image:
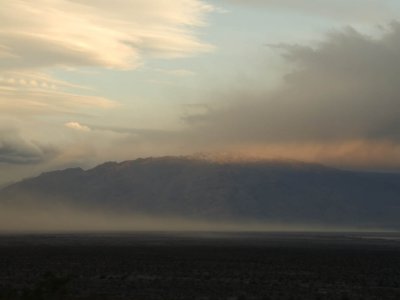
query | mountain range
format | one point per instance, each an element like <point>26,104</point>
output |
<point>266,191</point>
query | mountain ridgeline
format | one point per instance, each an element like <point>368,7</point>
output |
<point>262,191</point>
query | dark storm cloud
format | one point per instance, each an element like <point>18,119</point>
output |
<point>14,149</point>
<point>345,88</point>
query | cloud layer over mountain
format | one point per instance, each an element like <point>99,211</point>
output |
<point>342,91</point>
<point>337,102</point>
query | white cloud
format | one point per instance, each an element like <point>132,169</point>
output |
<point>31,92</point>
<point>77,126</point>
<point>112,34</point>
<point>38,37</point>
<point>34,79</point>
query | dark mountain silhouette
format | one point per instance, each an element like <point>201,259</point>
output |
<point>272,191</point>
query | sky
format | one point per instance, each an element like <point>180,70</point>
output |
<point>83,82</point>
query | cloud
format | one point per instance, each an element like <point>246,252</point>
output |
<point>39,38</point>
<point>37,93</point>
<point>352,154</point>
<point>116,34</point>
<point>35,79</point>
<point>344,88</point>
<point>338,105</point>
<point>341,92</point>
<point>77,126</point>
<point>14,149</point>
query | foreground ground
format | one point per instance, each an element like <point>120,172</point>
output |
<point>199,266</point>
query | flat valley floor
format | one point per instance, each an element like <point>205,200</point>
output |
<point>200,265</point>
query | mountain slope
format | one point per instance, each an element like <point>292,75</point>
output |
<point>272,191</point>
